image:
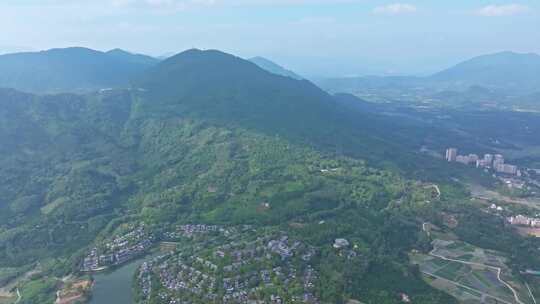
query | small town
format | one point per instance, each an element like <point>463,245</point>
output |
<point>489,161</point>
<point>119,250</point>
<point>524,224</point>
<point>272,267</point>
<point>520,180</point>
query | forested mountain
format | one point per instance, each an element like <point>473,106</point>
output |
<point>273,67</point>
<point>505,70</point>
<point>228,90</point>
<point>508,72</point>
<point>206,137</point>
<point>203,137</point>
<point>70,70</point>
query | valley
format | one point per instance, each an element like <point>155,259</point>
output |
<point>211,180</point>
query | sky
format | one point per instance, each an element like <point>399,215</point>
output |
<point>316,38</point>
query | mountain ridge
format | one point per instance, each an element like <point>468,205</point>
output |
<point>74,69</point>
<point>273,67</point>
<point>515,73</point>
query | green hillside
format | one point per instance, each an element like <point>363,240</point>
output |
<point>70,70</point>
<point>506,70</point>
<point>206,137</point>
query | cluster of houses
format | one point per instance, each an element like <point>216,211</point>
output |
<point>237,272</point>
<point>145,280</point>
<point>119,250</point>
<point>185,278</point>
<point>191,230</point>
<point>522,220</point>
<point>282,247</point>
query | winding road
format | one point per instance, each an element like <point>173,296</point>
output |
<point>530,292</point>
<point>19,297</point>
<point>498,269</point>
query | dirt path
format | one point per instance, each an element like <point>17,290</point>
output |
<point>530,292</point>
<point>484,295</point>
<point>19,297</point>
<point>498,269</point>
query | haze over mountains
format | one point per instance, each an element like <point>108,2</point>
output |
<point>81,69</point>
<point>508,71</point>
<point>272,67</point>
<point>208,137</point>
<point>70,69</point>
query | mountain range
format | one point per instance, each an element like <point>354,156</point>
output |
<point>506,71</point>
<point>82,70</point>
<point>70,70</point>
<point>208,137</point>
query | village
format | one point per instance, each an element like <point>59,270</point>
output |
<point>519,180</point>
<point>119,250</point>
<point>273,268</point>
<point>202,263</point>
<point>525,224</point>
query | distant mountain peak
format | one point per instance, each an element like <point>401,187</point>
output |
<point>273,67</point>
<point>119,51</point>
<point>507,70</point>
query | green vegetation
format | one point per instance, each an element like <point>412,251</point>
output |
<point>241,147</point>
<point>71,70</point>
<point>40,290</point>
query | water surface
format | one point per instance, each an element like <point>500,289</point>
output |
<point>116,286</point>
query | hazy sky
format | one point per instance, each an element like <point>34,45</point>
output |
<point>312,37</point>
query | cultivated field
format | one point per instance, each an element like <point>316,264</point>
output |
<point>471,274</point>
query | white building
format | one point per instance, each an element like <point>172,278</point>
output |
<point>451,154</point>
<point>341,243</point>
<point>463,159</point>
<point>473,158</point>
<point>506,168</point>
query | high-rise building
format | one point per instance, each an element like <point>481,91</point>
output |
<point>451,154</point>
<point>463,159</point>
<point>473,158</point>
<point>497,161</point>
<point>506,168</point>
<point>482,163</point>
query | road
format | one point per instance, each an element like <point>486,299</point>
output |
<point>484,295</point>
<point>19,297</point>
<point>530,292</point>
<point>498,269</point>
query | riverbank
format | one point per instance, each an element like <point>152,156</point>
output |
<point>115,286</point>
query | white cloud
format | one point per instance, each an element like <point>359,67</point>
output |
<point>161,5</point>
<point>190,3</point>
<point>395,9</point>
<point>502,10</point>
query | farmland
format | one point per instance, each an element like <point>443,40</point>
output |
<point>471,274</point>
